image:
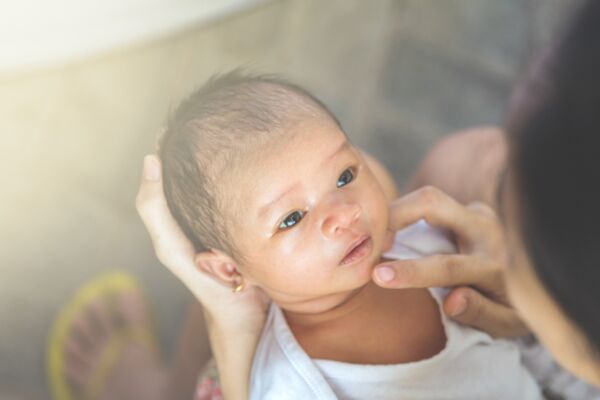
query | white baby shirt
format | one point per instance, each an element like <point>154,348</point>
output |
<point>471,366</point>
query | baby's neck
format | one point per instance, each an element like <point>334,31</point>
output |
<point>326,308</point>
<point>373,326</point>
<point>344,305</point>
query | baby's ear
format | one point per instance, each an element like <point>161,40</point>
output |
<point>218,265</point>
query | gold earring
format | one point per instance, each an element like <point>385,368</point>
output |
<point>239,286</point>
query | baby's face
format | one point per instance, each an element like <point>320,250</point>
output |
<point>310,218</point>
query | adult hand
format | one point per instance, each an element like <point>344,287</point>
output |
<point>244,311</point>
<point>478,297</point>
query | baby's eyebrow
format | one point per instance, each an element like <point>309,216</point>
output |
<point>345,145</point>
<point>263,209</point>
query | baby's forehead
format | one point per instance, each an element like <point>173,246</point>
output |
<point>291,161</point>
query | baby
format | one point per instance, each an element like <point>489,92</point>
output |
<point>267,186</point>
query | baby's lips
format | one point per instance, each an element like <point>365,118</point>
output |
<point>362,239</point>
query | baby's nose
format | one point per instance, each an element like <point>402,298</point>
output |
<point>340,217</point>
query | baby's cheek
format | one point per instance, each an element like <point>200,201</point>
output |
<point>388,240</point>
<point>294,280</point>
<point>378,208</point>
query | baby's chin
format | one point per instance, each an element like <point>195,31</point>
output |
<point>375,259</point>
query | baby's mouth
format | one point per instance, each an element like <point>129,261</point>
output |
<point>358,250</point>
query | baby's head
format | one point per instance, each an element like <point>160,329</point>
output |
<point>264,182</point>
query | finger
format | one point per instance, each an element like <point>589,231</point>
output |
<point>150,192</point>
<point>435,271</point>
<point>438,209</point>
<point>470,307</point>
<point>481,208</point>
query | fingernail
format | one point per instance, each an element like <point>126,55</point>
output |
<point>151,168</point>
<point>385,273</point>
<point>461,307</point>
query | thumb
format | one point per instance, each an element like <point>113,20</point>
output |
<point>151,203</point>
<point>171,245</point>
<point>470,307</point>
<point>151,190</point>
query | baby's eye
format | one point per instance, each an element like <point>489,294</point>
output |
<point>291,220</point>
<point>345,178</point>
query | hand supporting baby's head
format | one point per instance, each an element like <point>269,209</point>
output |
<point>264,182</point>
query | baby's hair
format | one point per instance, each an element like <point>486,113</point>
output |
<point>210,132</point>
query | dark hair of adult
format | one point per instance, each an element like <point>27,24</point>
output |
<point>555,138</point>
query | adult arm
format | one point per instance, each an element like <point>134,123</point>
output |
<point>465,165</point>
<point>234,320</point>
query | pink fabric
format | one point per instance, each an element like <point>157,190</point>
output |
<point>208,387</point>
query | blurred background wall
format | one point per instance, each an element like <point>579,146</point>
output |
<point>76,120</point>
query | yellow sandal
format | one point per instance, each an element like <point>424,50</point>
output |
<point>103,286</point>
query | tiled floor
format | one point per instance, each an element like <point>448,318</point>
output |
<point>399,74</point>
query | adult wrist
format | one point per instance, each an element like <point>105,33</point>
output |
<point>235,324</point>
